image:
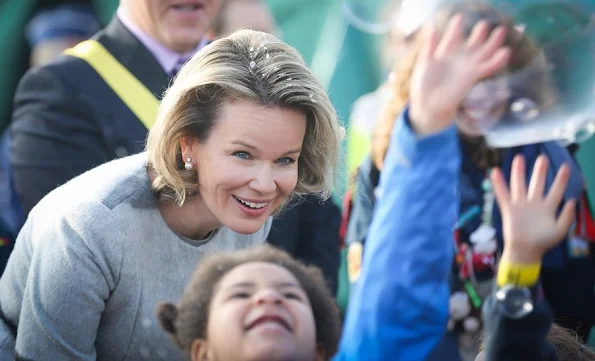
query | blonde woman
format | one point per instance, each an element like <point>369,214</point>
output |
<point>244,127</point>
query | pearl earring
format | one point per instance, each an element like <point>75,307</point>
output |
<point>188,165</point>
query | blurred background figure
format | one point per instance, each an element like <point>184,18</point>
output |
<point>67,118</point>
<point>238,14</point>
<point>566,31</point>
<point>59,28</point>
<point>366,110</point>
<point>49,33</point>
<point>309,229</point>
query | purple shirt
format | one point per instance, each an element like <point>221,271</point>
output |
<point>167,58</point>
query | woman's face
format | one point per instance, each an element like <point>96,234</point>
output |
<point>248,166</point>
<point>258,312</point>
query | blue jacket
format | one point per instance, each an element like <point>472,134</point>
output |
<point>471,193</point>
<point>399,306</point>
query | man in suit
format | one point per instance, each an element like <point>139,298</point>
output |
<point>52,30</point>
<point>250,14</point>
<point>67,120</point>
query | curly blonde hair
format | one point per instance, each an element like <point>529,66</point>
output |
<point>252,66</point>
<point>524,53</point>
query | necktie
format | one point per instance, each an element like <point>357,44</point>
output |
<point>177,68</point>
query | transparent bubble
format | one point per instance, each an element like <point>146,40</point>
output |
<point>547,91</point>
<point>553,97</point>
<point>586,131</point>
<point>382,16</point>
<point>524,109</point>
<point>371,16</point>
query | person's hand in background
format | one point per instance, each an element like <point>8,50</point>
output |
<point>531,225</point>
<point>447,69</point>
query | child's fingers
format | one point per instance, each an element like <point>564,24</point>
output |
<point>478,35</point>
<point>565,219</point>
<point>493,44</point>
<point>500,189</point>
<point>452,38</point>
<point>538,178</point>
<point>558,187</point>
<point>431,42</point>
<point>518,186</point>
<point>496,63</point>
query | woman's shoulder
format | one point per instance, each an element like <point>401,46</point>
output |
<point>88,204</point>
<point>109,184</point>
<point>83,215</point>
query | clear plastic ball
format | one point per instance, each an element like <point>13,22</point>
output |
<point>547,91</point>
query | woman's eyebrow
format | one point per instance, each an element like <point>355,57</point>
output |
<point>244,144</point>
<point>294,151</point>
<point>249,146</point>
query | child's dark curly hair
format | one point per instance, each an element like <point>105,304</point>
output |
<point>567,343</point>
<point>188,321</point>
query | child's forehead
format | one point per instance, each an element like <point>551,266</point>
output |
<point>258,274</point>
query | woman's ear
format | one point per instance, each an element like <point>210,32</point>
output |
<point>186,145</point>
<point>199,350</point>
<point>320,353</point>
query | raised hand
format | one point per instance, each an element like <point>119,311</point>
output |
<point>448,68</point>
<point>529,218</point>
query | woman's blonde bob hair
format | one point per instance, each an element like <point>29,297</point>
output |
<point>251,66</point>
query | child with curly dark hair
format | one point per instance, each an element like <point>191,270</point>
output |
<point>567,344</point>
<point>257,304</point>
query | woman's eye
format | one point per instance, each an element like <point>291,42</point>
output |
<point>286,161</point>
<point>242,155</point>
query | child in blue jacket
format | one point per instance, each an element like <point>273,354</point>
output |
<point>400,305</point>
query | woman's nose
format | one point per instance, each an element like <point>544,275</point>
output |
<point>264,180</point>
